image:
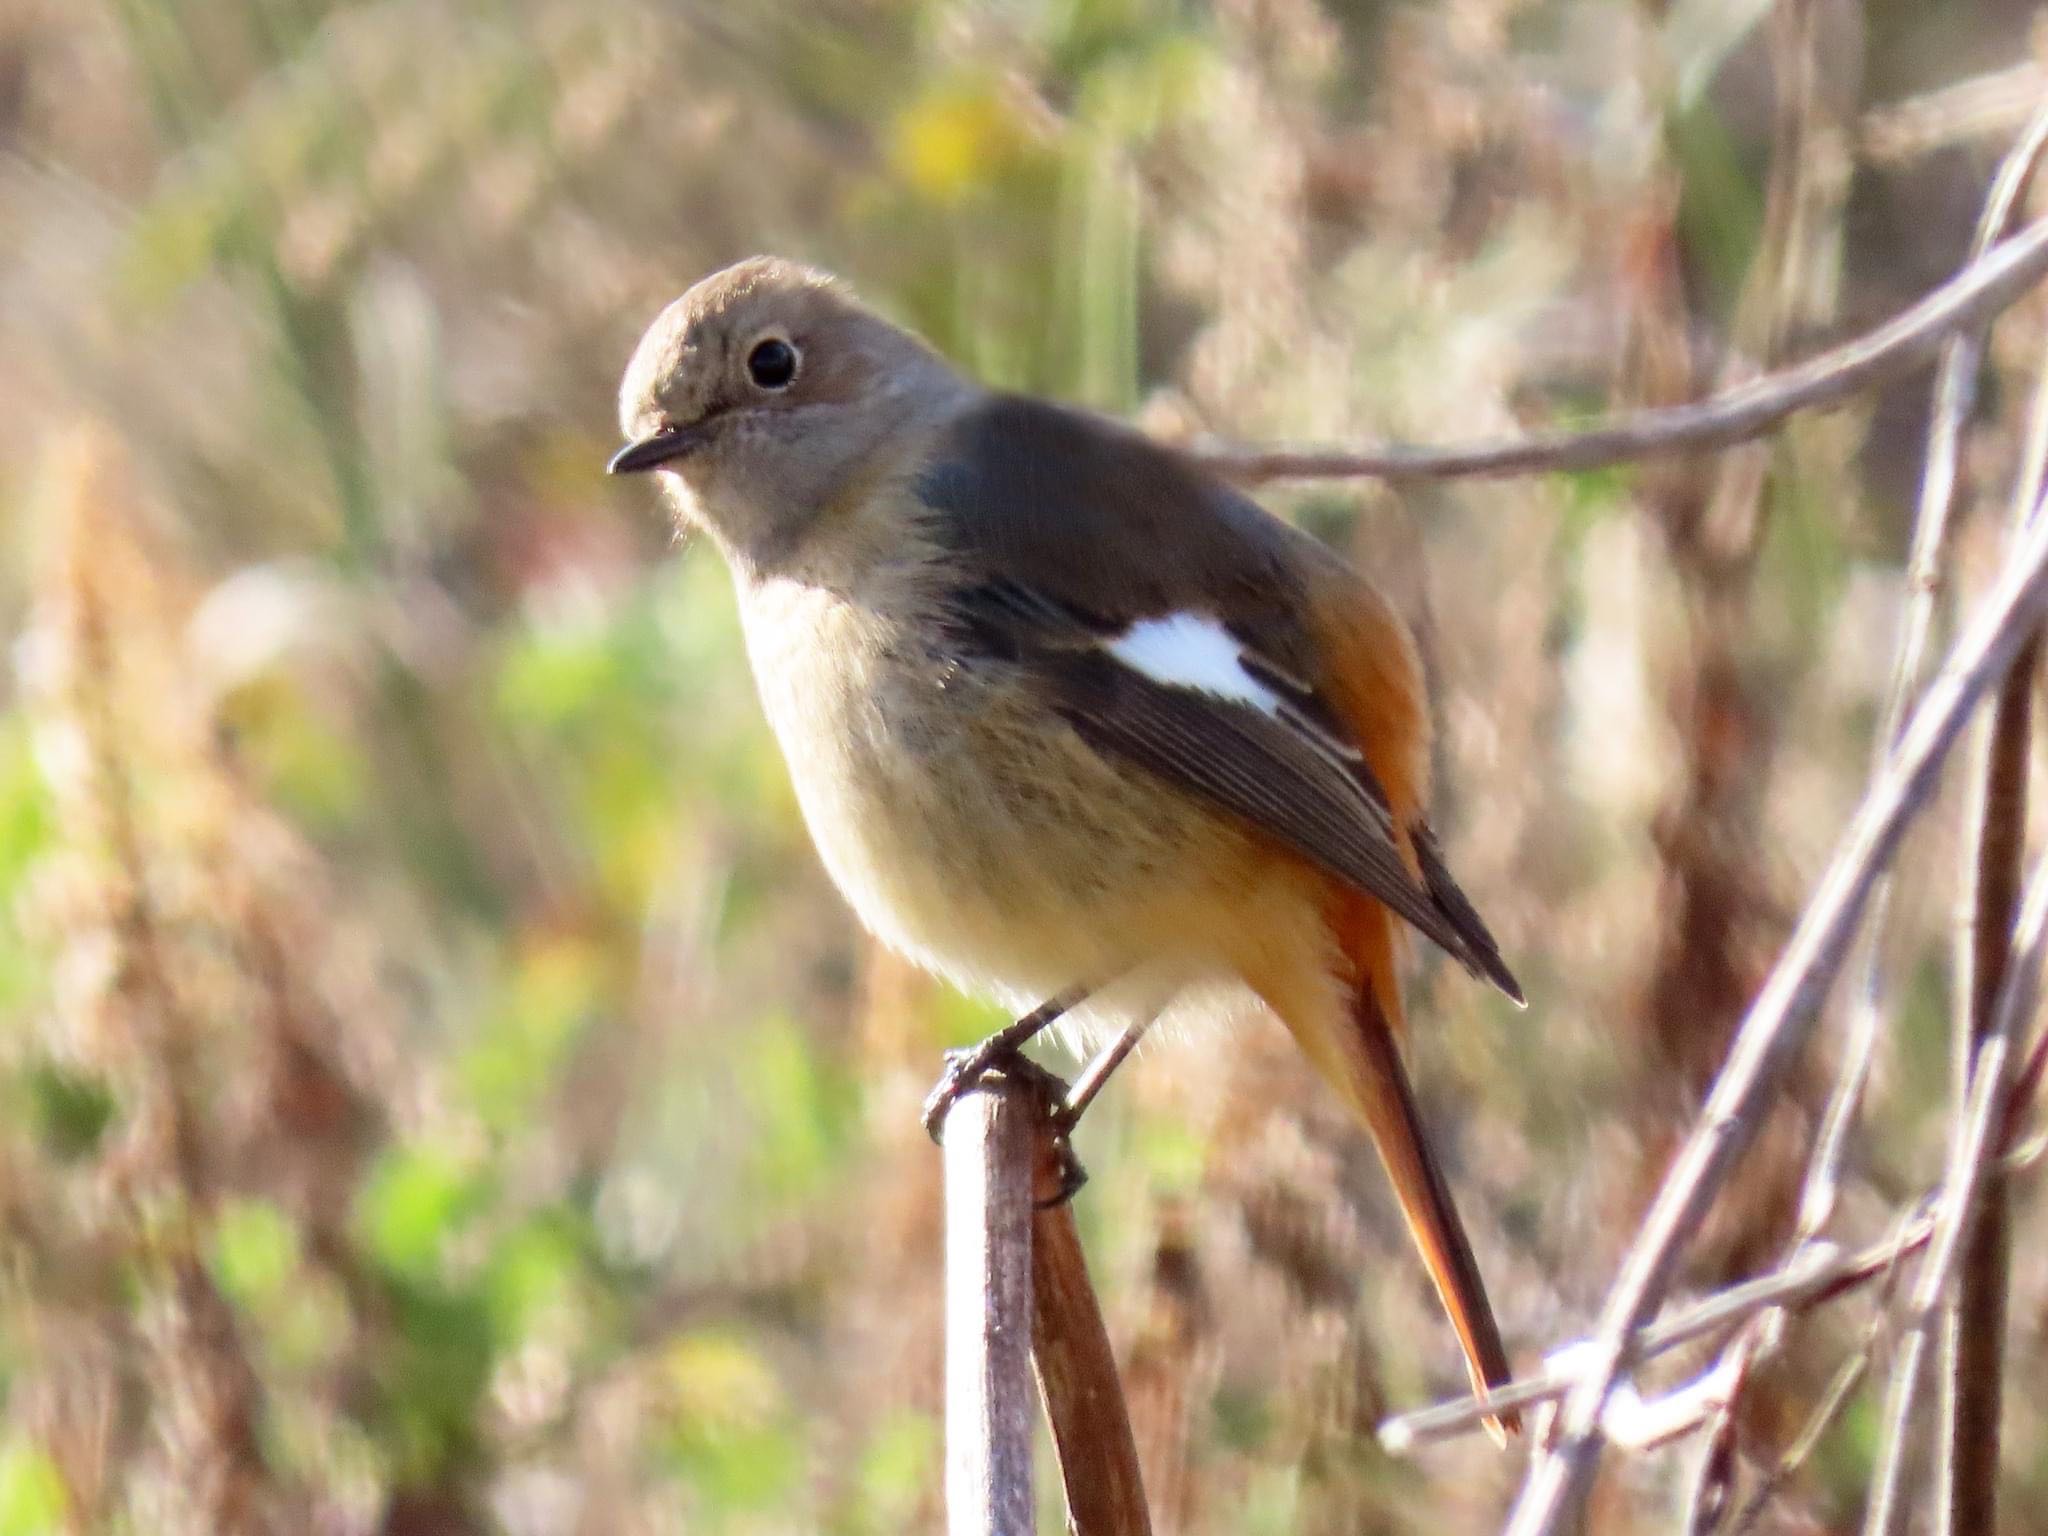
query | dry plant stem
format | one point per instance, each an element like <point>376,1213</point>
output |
<point>2033,477</point>
<point>1954,396</point>
<point>1975,1341</point>
<point>1820,1275</point>
<point>1987,1111</point>
<point>1983,106</point>
<point>1077,1375</point>
<point>1885,1513</point>
<point>1955,390</point>
<point>1816,1274</point>
<point>1973,295</point>
<point>990,1137</point>
<point>1845,1381</point>
<point>1778,1022</point>
<point>1801,198</point>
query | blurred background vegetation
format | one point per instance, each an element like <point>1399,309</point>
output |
<point>441,1092</point>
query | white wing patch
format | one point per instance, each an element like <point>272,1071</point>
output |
<point>1192,650</point>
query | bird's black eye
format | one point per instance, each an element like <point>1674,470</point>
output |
<point>772,363</point>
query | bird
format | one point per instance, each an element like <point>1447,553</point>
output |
<point>1072,721</point>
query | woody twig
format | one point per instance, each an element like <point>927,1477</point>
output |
<point>990,1154</point>
<point>1077,1373</point>
<point>1778,1023</point>
<point>1986,285</point>
<point>1019,1302</point>
<point>1810,1277</point>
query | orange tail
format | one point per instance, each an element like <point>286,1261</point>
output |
<point>1365,1065</point>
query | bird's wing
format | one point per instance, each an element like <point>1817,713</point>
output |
<point>1164,617</point>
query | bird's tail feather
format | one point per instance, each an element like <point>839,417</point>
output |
<point>1364,1064</point>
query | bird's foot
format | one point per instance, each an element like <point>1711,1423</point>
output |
<point>1002,1057</point>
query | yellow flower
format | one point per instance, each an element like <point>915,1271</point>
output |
<point>954,140</point>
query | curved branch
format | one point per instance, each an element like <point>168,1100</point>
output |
<point>1976,293</point>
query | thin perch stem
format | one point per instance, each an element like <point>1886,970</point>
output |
<point>1077,1374</point>
<point>964,1068</point>
<point>990,1138</point>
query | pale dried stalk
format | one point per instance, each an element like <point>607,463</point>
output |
<point>1974,1339</point>
<point>1981,289</point>
<point>990,1153</point>
<point>1778,1022</point>
<point>1819,1274</point>
<point>1019,1302</point>
<point>1972,1161</point>
<point>1955,390</point>
<point>1983,106</point>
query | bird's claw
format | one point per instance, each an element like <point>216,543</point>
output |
<point>1067,1168</point>
<point>967,1066</point>
<point>966,1069</point>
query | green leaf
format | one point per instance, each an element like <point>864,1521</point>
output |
<point>416,1200</point>
<point>69,1110</point>
<point>255,1251</point>
<point>1174,1155</point>
<point>307,766</point>
<point>535,1270</point>
<point>26,815</point>
<point>429,1386</point>
<point>27,823</point>
<point>32,1494</point>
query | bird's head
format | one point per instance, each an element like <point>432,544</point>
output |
<point>766,394</point>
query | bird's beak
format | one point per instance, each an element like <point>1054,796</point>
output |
<point>656,449</point>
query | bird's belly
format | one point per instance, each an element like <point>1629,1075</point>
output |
<point>971,830</point>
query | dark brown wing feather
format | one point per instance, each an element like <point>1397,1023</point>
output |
<point>1058,575</point>
<point>1459,912</point>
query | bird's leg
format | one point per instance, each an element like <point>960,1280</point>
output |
<point>1069,1104</point>
<point>1002,1050</point>
<point>1096,1073</point>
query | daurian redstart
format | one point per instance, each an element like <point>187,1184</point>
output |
<point>1063,710</point>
